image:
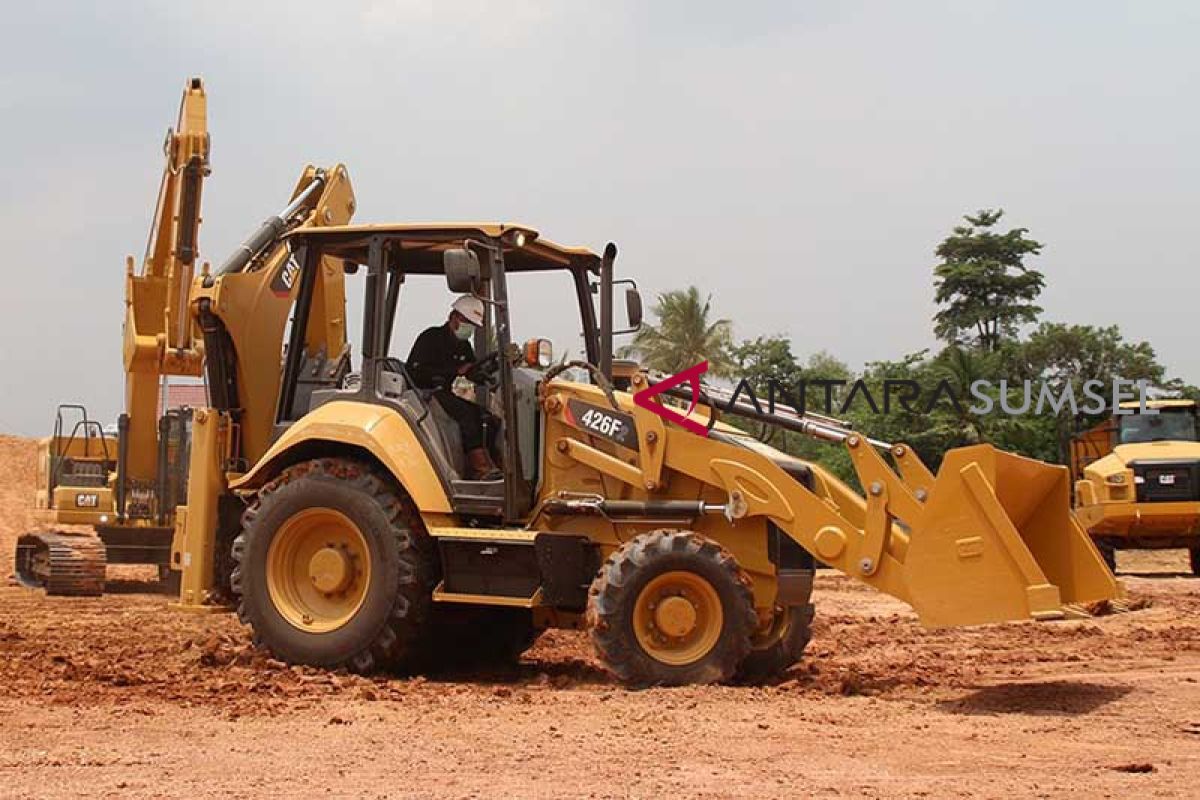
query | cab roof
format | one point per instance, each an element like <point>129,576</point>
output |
<point>1161,403</point>
<point>422,243</point>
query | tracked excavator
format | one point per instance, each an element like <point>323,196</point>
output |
<point>125,487</point>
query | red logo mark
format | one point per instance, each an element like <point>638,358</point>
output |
<point>691,376</point>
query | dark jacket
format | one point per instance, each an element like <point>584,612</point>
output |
<point>436,357</point>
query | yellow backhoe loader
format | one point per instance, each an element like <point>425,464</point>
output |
<point>331,507</point>
<point>327,499</point>
<point>126,486</point>
<point>1137,479</point>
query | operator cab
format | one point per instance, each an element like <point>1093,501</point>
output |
<point>476,260</point>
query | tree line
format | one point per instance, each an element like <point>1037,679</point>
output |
<point>989,326</point>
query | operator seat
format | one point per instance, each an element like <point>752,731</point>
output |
<point>435,426</point>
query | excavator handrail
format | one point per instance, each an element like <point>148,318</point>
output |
<point>87,425</point>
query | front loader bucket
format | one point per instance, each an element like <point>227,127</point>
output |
<point>997,541</point>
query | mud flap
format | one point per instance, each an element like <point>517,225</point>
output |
<point>997,541</point>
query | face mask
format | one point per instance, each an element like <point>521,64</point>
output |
<point>464,331</point>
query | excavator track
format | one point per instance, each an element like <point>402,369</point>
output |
<point>70,564</point>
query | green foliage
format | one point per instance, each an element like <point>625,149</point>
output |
<point>983,286</point>
<point>684,335</point>
<point>766,358</point>
<point>1061,355</point>
<point>986,294</point>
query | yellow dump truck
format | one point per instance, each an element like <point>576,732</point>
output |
<point>1137,479</point>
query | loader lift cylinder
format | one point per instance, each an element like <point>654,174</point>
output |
<point>823,428</point>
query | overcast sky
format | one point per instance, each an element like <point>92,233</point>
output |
<point>800,161</point>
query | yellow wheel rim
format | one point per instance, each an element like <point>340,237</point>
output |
<point>318,570</point>
<point>677,618</point>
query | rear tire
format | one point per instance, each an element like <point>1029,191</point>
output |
<point>1194,557</point>
<point>671,608</point>
<point>780,647</point>
<point>334,517</point>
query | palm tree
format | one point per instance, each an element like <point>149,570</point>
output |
<point>684,335</point>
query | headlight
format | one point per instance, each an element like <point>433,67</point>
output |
<point>1118,478</point>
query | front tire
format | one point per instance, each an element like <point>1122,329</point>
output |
<point>333,568</point>
<point>671,608</point>
<point>1194,557</point>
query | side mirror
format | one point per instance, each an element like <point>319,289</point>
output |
<point>633,308</point>
<point>462,270</point>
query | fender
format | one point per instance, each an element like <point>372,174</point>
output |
<point>379,430</point>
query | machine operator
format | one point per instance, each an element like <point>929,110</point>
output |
<point>441,354</point>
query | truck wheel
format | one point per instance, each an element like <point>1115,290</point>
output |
<point>334,569</point>
<point>1194,556</point>
<point>671,607</point>
<point>780,646</point>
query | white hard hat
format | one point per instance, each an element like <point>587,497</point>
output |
<point>471,308</point>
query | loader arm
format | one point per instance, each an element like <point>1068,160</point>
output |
<point>991,538</point>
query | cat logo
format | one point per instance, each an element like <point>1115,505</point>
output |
<point>87,500</point>
<point>282,285</point>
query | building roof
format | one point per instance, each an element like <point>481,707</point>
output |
<point>183,395</point>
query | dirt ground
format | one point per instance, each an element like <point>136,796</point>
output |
<point>119,696</point>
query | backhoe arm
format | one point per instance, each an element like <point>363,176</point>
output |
<point>158,337</point>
